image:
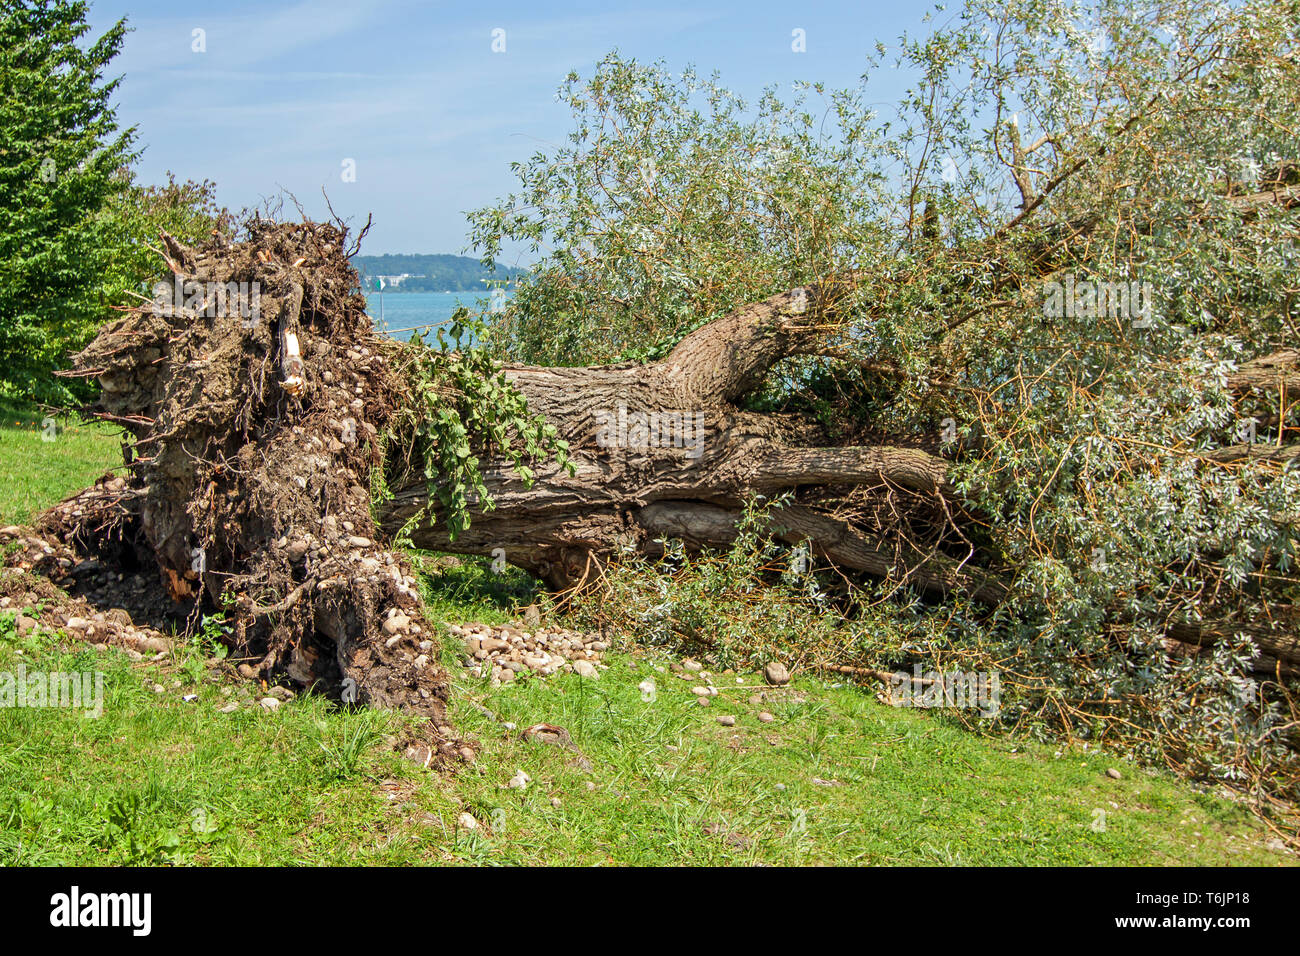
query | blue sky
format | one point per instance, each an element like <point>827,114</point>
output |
<point>413,92</point>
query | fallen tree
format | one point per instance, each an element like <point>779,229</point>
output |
<point>1054,439</point>
<point>257,431</point>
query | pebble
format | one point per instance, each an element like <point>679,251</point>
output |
<point>268,703</point>
<point>520,781</point>
<point>466,821</point>
<point>765,717</point>
<point>154,645</point>
<point>1113,773</point>
<point>726,720</point>
<point>776,673</point>
<point>586,669</point>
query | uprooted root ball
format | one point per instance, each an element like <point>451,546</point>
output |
<point>257,392</point>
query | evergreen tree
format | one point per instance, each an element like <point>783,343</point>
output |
<point>62,158</point>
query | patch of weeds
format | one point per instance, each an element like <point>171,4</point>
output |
<point>341,748</point>
<point>130,834</point>
<point>207,645</point>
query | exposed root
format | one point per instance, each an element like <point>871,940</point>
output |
<point>256,391</point>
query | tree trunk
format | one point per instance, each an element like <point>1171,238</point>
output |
<point>664,449</point>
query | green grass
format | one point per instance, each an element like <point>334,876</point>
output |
<point>836,778</point>
<point>37,473</point>
<point>159,779</point>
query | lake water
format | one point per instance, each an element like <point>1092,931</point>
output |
<point>403,311</point>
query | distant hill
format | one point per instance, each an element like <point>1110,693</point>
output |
<point>429,273</point>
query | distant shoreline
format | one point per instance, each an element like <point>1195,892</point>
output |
<point>437,273</point>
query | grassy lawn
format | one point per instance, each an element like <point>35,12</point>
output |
<point>38,472</point>
<point>836,778</point>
